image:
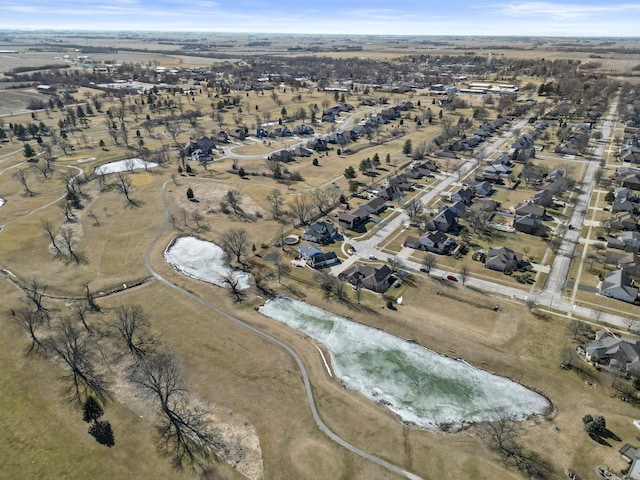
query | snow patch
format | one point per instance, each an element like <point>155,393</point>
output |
<point>202,260</point>
<point>123,166</point>
<point>2,202</point>
<point>418,384</point>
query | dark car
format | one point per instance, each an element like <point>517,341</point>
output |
<point>452,278</point>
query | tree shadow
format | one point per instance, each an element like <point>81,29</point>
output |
<point>103,433</point>
<point>609,434</point>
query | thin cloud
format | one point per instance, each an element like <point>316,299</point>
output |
<point>558,11</point>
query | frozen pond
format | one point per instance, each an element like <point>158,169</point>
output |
<point>202,260</point>
<point>418,384</point>
<point>123,166</point>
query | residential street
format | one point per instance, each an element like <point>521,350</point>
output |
<point>552,294</point>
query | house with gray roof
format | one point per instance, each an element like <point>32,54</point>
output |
<point>365,276</point>
<point>528,208</point>
<point>444,221</point>
<point>320,232</point>
<point>323,260</point>
<point>620,286</point>
<point>617,353</point>
<point>308,251</point>
<point>503,259</point>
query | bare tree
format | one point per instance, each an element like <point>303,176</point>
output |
<point>21,177</point>
<point>235,241</point>
<point>34,290</point>
<point>395,264</point>
<point>174,129</point>
<point>48,228</point>
<point>123,183</point>
<point>503,435</point>
<point>70,346</point>
<point>282,268</point>
<point>414,208</point>
<point>277,202</point>
<point>321,200</point>
<point>132,325</point>
<point>94,217</point>
<point>274,167</point>
<point>233,282</point>
<point>464,273</point>
<point>325,281</point>
<point>303,208</point>
<point>30,321</point>
<point>185,435</point>
<point>233,198</point>
<point>68,242</point>
<point>429,262</point>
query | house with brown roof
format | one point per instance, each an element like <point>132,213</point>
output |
<point>353,219</point>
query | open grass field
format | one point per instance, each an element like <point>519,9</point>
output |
<point>254,381</point>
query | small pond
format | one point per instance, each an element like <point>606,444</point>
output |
<point>202,260</point>
<point>418,384</point>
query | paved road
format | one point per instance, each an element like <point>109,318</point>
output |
<point>303,371</point>
<point>365,248</point>
<point>552,294</point>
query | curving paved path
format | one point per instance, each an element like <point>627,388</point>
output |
<point>305,378</point>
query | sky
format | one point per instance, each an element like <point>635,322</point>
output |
<point>584,18</point>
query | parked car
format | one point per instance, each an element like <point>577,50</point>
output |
<point>424,270</point>
<point>372,257</point>
<point>453,278</point>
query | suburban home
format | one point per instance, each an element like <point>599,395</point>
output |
<point>631,241</point>
<point>284,156</point>
<point>482,189</point>
<point>281,132</point>
<point>303,130</point>
<point>543,198</point>
<point>389,193</point>
<point>618,353</point>
<point>624,205</point>
<point>307,251</point>
<point>523,142</point>
<point>458,209</point>
<point>618,285</point>
<point>221,137</point>
<point>528,224</point>
<point>261,133</point>
<point>199,150</point>
<point>301,151</point>
<point>239,134</point>
<point>353,219</point>
<point>435,242</point>
<point>463,195</point>
<point>320,232</point>
<point>503,259</point>
<point>365,276</point>
<point>627,177</point>
<point>375,205</point>
<point>318,144</point>
<point>624,221</point>
<point>528,208</point>
<point>323,260</point>
<point>444,221</point>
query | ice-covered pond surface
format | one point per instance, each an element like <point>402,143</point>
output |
<point>418,384</point>
<point>123,166</point>
<point>202,260</point>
